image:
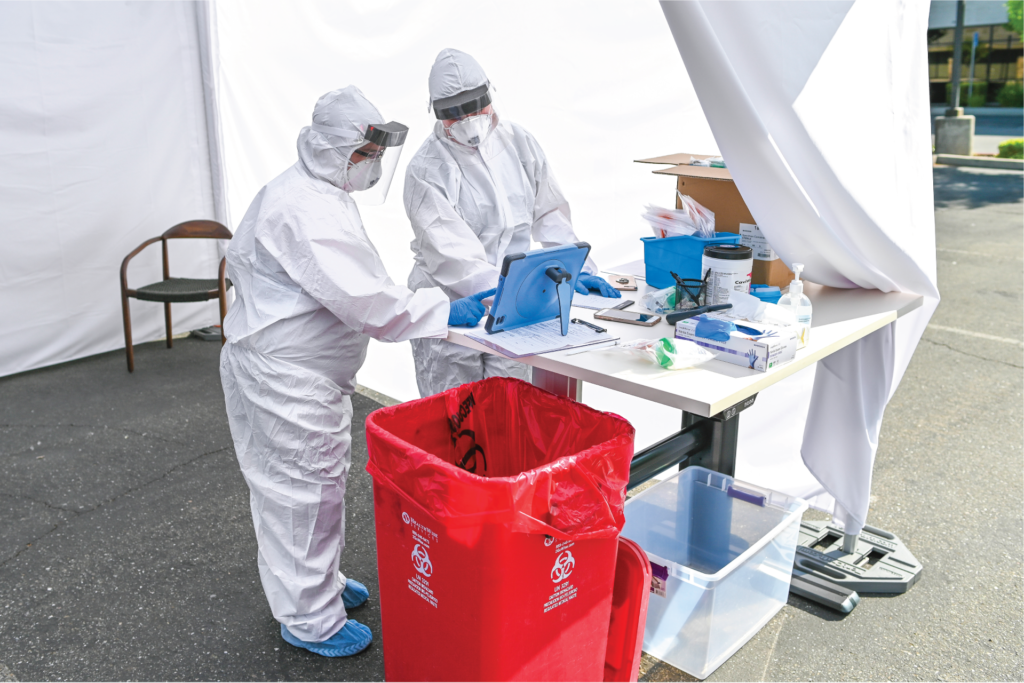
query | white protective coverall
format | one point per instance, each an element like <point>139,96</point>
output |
<point>311,290</point>
<point>469,206</point>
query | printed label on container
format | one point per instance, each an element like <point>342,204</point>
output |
<point>659,580</point>
<point>564,564</point>
<point>422,537</point>
<point>751,236</point>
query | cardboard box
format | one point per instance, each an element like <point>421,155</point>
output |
<point>715,189</point>
<point>760,354</point>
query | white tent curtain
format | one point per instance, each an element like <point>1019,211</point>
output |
<point>120,120</point>
<point>598,82</point>
<point>821,112</point>
<point>103,144</point>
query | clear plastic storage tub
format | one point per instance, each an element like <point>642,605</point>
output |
<point>721,555</point>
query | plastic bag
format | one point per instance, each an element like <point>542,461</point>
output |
<point>666,225</point>
<point>672,354</point>
<point>503,451</point>
<point>690,219</point>
<point>716,162</point>
<point>702,218</point>
<point>664,301</point>
<point>667,300</point>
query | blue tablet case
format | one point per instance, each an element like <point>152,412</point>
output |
<point>536,286</point>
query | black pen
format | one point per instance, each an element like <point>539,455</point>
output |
<point>592,326</point>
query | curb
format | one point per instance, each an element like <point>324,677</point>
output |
<point>980,162</point>
<point>982,111</point>
<point>373,396</point>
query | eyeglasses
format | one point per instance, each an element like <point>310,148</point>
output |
<point>369,153</point>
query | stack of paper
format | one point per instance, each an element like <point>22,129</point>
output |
<point>542,337</point>
<point>596,302</point>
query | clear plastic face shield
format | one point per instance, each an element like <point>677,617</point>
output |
<point>370,168</point>
<point>469,117</point>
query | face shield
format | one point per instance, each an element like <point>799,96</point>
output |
<point>469,117</point>
<point>371,158</point>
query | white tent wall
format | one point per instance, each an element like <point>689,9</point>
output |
<point>103,144</point>
<point>821,109</point>
<point>598,83</point>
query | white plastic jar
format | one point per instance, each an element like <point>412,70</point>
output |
<point>731,266</point>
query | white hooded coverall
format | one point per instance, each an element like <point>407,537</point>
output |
<point>469,207</point>
<point>310,292</point>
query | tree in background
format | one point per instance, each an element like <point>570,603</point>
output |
<point>1015,14</point>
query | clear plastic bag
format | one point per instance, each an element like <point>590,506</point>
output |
<point>690,219</point>
<point>703,219</point>
<point>662,301</point>
<point>671,354</point>
<point>666,225</point>
<point>715,162</point>
<point>672,299</point>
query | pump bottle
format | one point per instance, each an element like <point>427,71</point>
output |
<point>795,300</point>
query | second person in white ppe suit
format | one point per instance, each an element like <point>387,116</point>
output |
<point>311,291</point>
<point>478,188</point>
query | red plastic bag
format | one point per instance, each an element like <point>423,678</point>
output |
<point>503,451</point>
<point>497,508</point>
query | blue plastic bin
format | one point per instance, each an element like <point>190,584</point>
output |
<point>766,293</point>
<point>680,255</point>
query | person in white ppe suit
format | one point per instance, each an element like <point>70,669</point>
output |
<point>311,290</point>
<point>479,188</point>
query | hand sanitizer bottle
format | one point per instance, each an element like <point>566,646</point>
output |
<point>795,300</point>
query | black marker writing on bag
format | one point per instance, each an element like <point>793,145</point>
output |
<point>468,460</point>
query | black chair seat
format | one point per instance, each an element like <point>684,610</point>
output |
<point>179,290</point>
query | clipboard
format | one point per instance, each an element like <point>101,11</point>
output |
<point>536,286</point>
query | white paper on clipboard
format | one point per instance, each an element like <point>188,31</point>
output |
<point>539,338</point>
<point>634,268</point>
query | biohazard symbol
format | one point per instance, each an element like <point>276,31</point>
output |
<point>563,567</point>
<point>468,460</point>
<point>421,561</point>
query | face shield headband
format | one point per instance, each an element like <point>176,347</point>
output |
<point>463,104</point>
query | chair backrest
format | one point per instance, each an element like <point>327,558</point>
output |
<point>198,229</point>
<point>194,230</point>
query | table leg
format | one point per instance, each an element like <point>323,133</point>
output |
<point>705,441</point>
<point>719,454</point>
<point>558,384</point>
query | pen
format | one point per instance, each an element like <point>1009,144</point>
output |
<point>595,347</point>
<point>592,326</point>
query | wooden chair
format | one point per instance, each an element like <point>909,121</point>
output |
<point>176,289</point>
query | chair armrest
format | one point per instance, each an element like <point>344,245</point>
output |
<point>129,257</point>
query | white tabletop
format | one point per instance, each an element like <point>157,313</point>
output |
<point>841,317</point>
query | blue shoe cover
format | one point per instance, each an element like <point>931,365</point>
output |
<point>355,594</point>
<point>352,638</point>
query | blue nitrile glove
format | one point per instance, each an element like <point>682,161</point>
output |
<point>468,311</point>
<point>710,328</point>
<point>585,283</point>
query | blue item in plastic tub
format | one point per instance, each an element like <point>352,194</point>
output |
<point>766,293</point>
<point>680,255</point>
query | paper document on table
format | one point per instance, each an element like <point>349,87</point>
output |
<point>634,268</point>
<point>596,302</point>
<point>542,337</point>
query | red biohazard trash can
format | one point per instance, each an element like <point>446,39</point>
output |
<point>498,508</point>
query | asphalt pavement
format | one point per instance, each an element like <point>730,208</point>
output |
<point>948,479</point>
<point>127,550</point>
<point>126,544</point>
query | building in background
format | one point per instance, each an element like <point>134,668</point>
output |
<point>998,56</point>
